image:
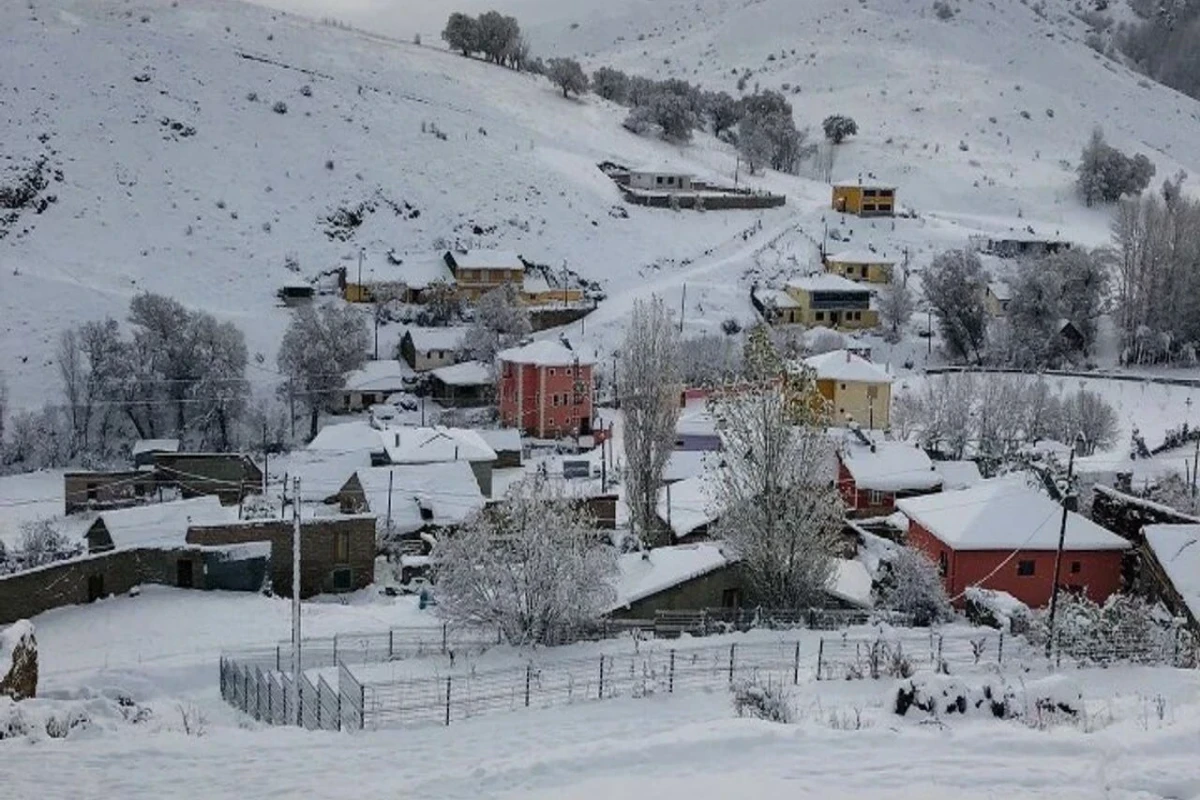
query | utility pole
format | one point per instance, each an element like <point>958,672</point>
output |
<point>391,476</point>
<point>737,171</point>
<point>296,664</point>
<point>360,286</point>
<point>266,460</point>
<point>682,307</point>
<point>1067,499</point>
<point>929,329</point>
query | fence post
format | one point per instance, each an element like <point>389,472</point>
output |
<point>528,678</point>
<point>445,635</point>
<point>1000,649</point>
<point>335,649</point>
<point>391,642</point>
<point>796,666</point>
<point>278,660</point>
<point>671,679</point>
<point>362,706</point>
<point>270,702</point>
<point>732,650</point>
<point>601,695</point>
<point>820,656</point>
<point>448,684</point>
<point>246,691</point>
<point>320,726</point>
<point>939,660</point>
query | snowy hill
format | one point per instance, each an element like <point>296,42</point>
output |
<point>177,176</point>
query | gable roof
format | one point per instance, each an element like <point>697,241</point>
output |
<point>468,373</point>
<point>377,376</point>
<point>155,446</point>
<point>1004,515</point>
<point>958,474</point>
<point>1177,550</point>
<point>826,282</point>
<point>1000,290</point>
<point>691,505</point>
<point>345,437</point>
<point>163,524</point>
<point>545,353</point>
<point>434,445</point>
<point>860,257</point>
<point>892,467</point>
<point>426,339</point>
<point>645,574</point>
<point>860,183</point>
<point>507,439</point>
<point>776,297</point>
<point>416,271</point>
<point>447,490</point>
<point>842,365</point>
<point>484,259</point>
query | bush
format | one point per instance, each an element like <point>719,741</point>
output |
<point>770,702</point>
<point>280,107</point>
<point>611,84</point>
<point>943,10</point>
<point>306,90</point>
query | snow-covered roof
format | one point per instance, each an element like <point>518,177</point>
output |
<point>645,574</point>
<point>683,464</point>
<point>163,524</point>
<point>322,474</point>
<point>545,353</point>
<point>958,474</point>
<point>468,373</point>
<point>378,376</point>
<point>892,467</point>
<point>1004,515</point>
<point>826,282</point>
<point>487,259</point>
<point>345,437</point>
<point>417,271</point>
<point>426,339</point>
<point>776,297</point>
<point>1000,290</point>
<point>501,439</point>
<point>842,365</point>
<point>850,582</point>
<point>859,182</point>
<point>692,505</point>
<point>659,168</point>
<point>1177,548</point>
<point>860,257</point>
<point>434,445</point>
<point>535,283</point>
<point>448,491</point>
<point>696,420</point>
<point>155,446</point>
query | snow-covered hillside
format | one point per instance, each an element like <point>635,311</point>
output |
<point>174,180</point>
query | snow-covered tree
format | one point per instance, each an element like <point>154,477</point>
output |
<point>320,348</point>
<point>896,306</point>
<point>779,511</point>
<point>838,128</point>
<point>954,285</point>
<point>723,110</point>
<point>501,320</point>
<point>709,360</point>
<point>534,566</point>
<point>462,33</point>
<point>611,84</point>
<point>567,75</point>
<point>1087,413</point>
<point>649,386</point>
<point>42,543</point>
<point>1068,286</point>
<point>1105,174</point>
<point>666,112</point>
<point>221,394</point>
<point>913,585</point>
<point>768,137</point>
<point>499,36</point>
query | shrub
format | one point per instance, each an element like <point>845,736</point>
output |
<point>280,107</point>
<point>943,10</point>
<point>252,97</point>
<point>306,90</point>
<point>770,702</point>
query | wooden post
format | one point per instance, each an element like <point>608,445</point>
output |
<point>528,679</point>
<point>391,643</point>
<point>448,684</point>
<point>601,694</point>
<point>671,675</point>
<point>1000,649</point>
<point>732,651</point>
<point>820,656</point>
<point>796,666</point>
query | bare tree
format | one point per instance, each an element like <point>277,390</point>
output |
<point>319,350</point>
<point>777,505</point>
<point>649,394</point>
<point>42,543</point>
<point>3,405</point>
<point>534,566</point>
<point>501,320</point>
<point>912,585</point>
<point>896,305</point>
<point>72,370</point>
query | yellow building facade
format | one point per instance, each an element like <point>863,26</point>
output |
<point>865,200</point>
<point>860,266</point>
<point>831,301</point>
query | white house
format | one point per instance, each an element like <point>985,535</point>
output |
<point>660,178</point>
<point>373,383</point>
<point>430,348</point>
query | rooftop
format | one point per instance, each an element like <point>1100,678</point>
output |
<point>892,467</point>
<point>545,353</point>
<point>346,437</point>
<point>416,271</point>
<point>468,373</point>
<point>1004,515</point>
<point>434,445</point>
<point>485,259</point>
<point>691,506</point>
<point>155,446</point>
<point>645,574</point>
<point>1177,548</point>
<point>842,365</point>
<point>659,168</point>
<point>378,376</point>
<point>1000,290</point>
<point>860,257</point>
<point>426,339</point>
<point>826,282</point>
<point>163,524</point>
<point>866,184</point>
<point>500,438</point>
<point>447,491</point>
<point>776,297</point>
<point>958,474</point>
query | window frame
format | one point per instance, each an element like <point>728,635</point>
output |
<point>1027,568</point>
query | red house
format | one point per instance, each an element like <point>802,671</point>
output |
<point>1002,535</point>
<point>873,475</point>
<point>546,390</point>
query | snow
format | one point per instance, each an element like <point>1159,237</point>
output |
<point>487,259</point>
<point>448,491</point>
<point>867,184</point>
<point>28,497</point>
<point>155,446</point>
<point>684,464</point>
<point>647,573</point>
<point>776,297</point>
<point>545,353</point>
<point>860,257</point>
<point>426,339</point>
<point>535,284</point>
<point>501,439</point>
<point>958,474</point>
<point>468,373</point>
<point>10,637</point>
<point>322,474</point>
<point>434,445</point>
<point>892,467</point>
<point>851,582</point>
<point>418,271</point>
<point>825,282</point>
<point>1004,515</point>
<point>842,365</point>
<point>164,523</point>
<point>691,504</point>
<point>1000,290</point>
<point>696,420</point>
<point>347,437</point>
<point>378,376</point>
<point>1177,548</point>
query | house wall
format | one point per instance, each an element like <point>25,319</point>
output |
<point>858,502</point>
<point>526,399</point>
<point>474,282</point>
<point>848,317</point>
<point>994,306</point>
<point>853,398</point>
<point>706,591</point>
<point>425,360</point>
<point>318,550</point>
<point>483,475</point>
<point>451,396</point>
<point>858,200</point>
<point>661,181</point>
<point>105,490</point>
<point>568,295</point>
<point>228,476</point>
<point>1098,575</point>
<point>869,273</point>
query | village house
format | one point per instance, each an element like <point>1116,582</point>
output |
<point>860,266</point>
<point>84,491</point>
<point>546,390</point>
<point>957,475</point>
<point>688,508</point>
<point>507,444</point>
<point>777,306</point>
<point>430,348</point>
<point>856,389</point>
<point>144,451</point>
<point>873,475</point>
<point>414,446</point>
<point>1171,569</point>
<point>405,278</point>
<point>410,499</point>
<point>537,291</point>
<point>660,178</point>
<point>373,383</point>
<point>996,298</point>
<point>470,384</point>
<point>229,476</point>
<point>1024,245</point>
<point>696,429</point>
<point>832,301</point>
<point>864,199</point>
<point>155,525</point>
<point>1003,535</point>
<point>477,272</point>
<point>350,437</point>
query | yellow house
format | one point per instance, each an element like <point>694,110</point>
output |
<point>860,266</point>
<point>394,276</point>
<point>864,199</point>
<point>996,298</point>
<point>479,271</point>
<point>537,291</point>
<point>831,301</point>
<point>857,390</point>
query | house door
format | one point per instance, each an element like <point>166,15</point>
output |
<point>183,573</point>
<point>731,598</point>
<point>834,318</point>
<point>95,587</point>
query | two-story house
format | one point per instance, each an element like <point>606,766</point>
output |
<point>831,301</point>
<point>546,390</point>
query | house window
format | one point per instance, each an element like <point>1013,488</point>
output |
<point>1076,567</point>
<point>943,564</point>
<point>1025,568</point>
<point>820,316</point>
<point>868,207</point>
<point>875,498</point>
<point>658,179</point>
<point>869,192</point>
<point>343,547</point>
<point>551,372</point>
<point>731,598</point>
<point>885,192</point>
<point>91,491</point>
<point>343,580</point>
<point>843,387</point>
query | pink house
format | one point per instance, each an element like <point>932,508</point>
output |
<point>546,390</point>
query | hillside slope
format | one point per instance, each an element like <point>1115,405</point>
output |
<point>175,181</point>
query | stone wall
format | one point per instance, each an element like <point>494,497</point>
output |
<point>1126,515</point>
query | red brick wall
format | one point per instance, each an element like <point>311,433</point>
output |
<point>1099,574</point>
<point>859,502</point>
<point>536,413</point>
